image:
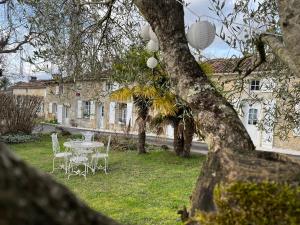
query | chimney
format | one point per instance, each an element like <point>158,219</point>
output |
<point>33,78</point>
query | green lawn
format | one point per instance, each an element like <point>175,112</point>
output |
<point>139,189</point>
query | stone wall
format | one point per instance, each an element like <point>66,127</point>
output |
<point>73,98</point>
<point>292,142</point>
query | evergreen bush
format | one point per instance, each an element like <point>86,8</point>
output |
<point>254,203</point>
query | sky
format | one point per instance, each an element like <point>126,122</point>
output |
<point>217,49</point>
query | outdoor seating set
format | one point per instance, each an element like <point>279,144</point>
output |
<point>80,156</point>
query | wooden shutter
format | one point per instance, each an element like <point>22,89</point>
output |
<point>57,90</point>
<point>129,113</point>
<point>93,110</point>
<point>79,109</point>
<point>60,114</point>
<point>50,107</point>
<point>112,112</point>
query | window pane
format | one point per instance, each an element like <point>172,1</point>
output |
<point>252,116</point>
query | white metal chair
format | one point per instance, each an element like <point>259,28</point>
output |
<point>88,135</point>
<point>98,156</point>
<point>57,154</point>
<point>78,159</point>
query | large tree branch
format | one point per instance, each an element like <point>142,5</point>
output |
<point>27,39</point>
<point>3,1</point>
<point>28,197</point>
<point>282,52</point>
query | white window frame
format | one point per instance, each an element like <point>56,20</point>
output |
<point>66,114</point>
<point>40,109</point>
<point>122,113</point>
<point>86,109</point>
<point>255,85</point>
<point>54,107</point>
<point>252,116</point>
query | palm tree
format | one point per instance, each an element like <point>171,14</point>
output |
<point>184,128</point>
<point>144,98</point>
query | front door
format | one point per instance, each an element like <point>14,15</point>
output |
<point>101,116</point>
<point>251,119</point>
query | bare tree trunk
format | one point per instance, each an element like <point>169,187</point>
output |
<point>188,133</point>
<point>220,125</point>
<point>29,197</point>
<point>141,135</point>
<point>178,142</point>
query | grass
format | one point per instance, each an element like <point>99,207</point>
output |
<point>139,189</point>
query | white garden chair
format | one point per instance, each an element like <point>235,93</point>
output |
<point>57,154</point>
<point>78,160</point>
<point>88,135</point>
<point>98,156</point>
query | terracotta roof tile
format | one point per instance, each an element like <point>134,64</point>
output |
<point>38,84</point>
<point>222,65</point>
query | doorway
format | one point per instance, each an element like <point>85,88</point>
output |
<point>101,116</point>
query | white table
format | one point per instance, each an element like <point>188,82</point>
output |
<point>81,155</point>
<point>83,144</point>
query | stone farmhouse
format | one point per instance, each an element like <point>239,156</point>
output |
<point>251,111</point>
<point>86,103</point>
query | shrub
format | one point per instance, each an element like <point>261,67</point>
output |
<point>63,131</point>
<point>52,121</point>
<point>18,113</point>
<point>118,143</point>
<point>18,138</point>
<point>250,203</point>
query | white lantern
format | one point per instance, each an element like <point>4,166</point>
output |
<point>201,34</point>
<point>152,62</point>
<point>152,35</point>
<point>152,46</point>
<point>145,32</point>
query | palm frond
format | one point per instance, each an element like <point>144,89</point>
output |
<point>166,104</point>
<point>122,94</point>
<point>147,91</point>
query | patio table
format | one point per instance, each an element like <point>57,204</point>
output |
<point>82,152</point>
<point>88,146</point>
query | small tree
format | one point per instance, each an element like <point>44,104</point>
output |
<point>144,98</point>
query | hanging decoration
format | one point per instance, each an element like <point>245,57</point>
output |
<point>152,35</point>
<point>201,34</point>
<point>152,63</point>
<point>152,46</point>
<point>145,33</point>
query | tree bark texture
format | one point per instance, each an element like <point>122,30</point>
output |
<point>30,197</point>
<point>227,138</point>
<point>142,133</point>
<point>188,134</point>
<point>289,12</point>
<point>178,142</point>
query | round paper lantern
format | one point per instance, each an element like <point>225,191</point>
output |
<point>152,62</point>
<point>152,46</point>
<point>152,35</point>
<point>145,32</point>
<point>201,34</point>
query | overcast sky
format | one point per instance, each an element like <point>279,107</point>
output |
<point>218,48</point>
